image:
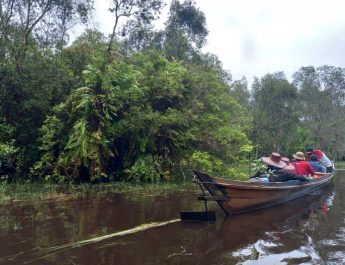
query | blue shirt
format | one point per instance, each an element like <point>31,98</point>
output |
<point>317,166</point>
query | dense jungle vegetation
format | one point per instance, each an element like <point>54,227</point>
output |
<point>143,104</point>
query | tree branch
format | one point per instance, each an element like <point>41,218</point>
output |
<point>9,16</point>
<point>1,10</point>
<point>38,19</point>
<point>28,15</point>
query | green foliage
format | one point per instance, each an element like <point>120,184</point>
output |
<point>275,114</point>
<point>321,97</point>
<point>185,30</point>
<point>90,112</point>
<point>145,115</point>
<point>203,161</point>
<point>145,169</point>
<point>257,166</point>
<point>239,90</point>
<point>50,146</point>
<point>80,155</point>
<point>87,49</point>
<point>8,152</point>
<point>27,96</point>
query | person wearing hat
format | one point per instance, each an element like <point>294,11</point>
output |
<point>280,168</point>
<point>324,160</point>
<point>289,167</point>
<point>274,161</point>
<point>303,168</point>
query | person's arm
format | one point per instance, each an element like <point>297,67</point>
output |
<point>322,173</point>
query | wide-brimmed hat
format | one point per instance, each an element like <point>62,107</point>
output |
<point>299,156</point>
<point>288,166</point>
<point>285,159</point>
<point>274,160</point>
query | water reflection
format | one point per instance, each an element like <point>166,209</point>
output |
<point>309,230</point>
<point>270,236</point>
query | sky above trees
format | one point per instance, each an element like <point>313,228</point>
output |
<point>253,38</point>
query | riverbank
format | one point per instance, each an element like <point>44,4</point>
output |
<point>18,192</point>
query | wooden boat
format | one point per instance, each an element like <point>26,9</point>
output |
<point>240,231</point>
<point>236,197</point>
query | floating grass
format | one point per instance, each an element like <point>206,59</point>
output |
<point>57,249</point>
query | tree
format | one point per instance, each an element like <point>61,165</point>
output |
<point>239,90</point>
<point>275,115</point>
<point>8,152</point>
<point>185,31</point>
<point>321,93</point>
<point>138,37</point>
<point>86,150</point>
<point>74,143</point>
<point>87,49</point>
<point>143,12</point>
<point>155,120</point>
<point>219,124</point>
<point>24,23</point>
<point>31,79</point>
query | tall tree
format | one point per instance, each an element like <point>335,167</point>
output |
<point>138,36</point>
<point>185,31</point>
<point>321,93</point>
<point>239,90</point>
<point>86,150</point>
<point>46,22</point>
<point>275,116</point>
<point>31,32</point>
<point>143,12</point>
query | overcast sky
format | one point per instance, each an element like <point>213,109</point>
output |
<point>256,37</point>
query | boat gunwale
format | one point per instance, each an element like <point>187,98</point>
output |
<point>237,184</point>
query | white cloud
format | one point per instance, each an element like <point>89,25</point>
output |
<point>253,38</point>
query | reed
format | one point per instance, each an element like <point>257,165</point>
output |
<point>37,191</point>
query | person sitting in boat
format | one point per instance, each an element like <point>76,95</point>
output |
<point>316,165</point>
<point>279,170</point>
<point>289,167</point>
<point>324,160</point>
<point>274,161</point>
<point>302,167</point>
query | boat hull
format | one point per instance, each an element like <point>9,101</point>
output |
<point>243,196</point>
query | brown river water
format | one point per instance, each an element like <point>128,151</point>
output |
<point>137,230</point>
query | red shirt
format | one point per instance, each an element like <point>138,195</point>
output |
<point>303,168</point>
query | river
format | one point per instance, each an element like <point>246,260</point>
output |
<point>134,229</point>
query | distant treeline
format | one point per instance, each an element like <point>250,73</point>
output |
<point>144,104</point>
